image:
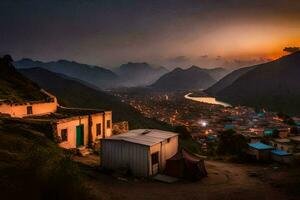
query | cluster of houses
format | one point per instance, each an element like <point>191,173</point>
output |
<point>144,152</point>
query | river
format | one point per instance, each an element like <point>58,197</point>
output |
<point>209,100</point>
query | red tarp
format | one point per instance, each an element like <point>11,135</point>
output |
<point>185,165</point>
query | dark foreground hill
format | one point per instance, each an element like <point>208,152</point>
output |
<point>94,75</point>
<point>184,79</point>
<point>75,94</point>
<point>14,86</point>
<point>33,167</point>
<point>274,85</point>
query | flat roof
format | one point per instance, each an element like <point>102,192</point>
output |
<point>282,140</point>
<point>260,146</point>
<point>148,137</point>
<point>65,113</point>
<point>280,152</point>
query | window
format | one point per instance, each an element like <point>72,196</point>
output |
<point>154,158</point>
<point>98,129</point>
<point>29,110</point>
<point>64,135</point>
<point>168,140</point>
<point>108,124</point>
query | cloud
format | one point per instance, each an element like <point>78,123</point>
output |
<point>291,49</point>
<point>180,59</point>
<point>236,63</point>
<point>204,56</point>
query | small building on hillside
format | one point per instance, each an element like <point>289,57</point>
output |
<point>29,108</point>
<point>77,127</point>
<point>283,144</point>
<point>281,156</point>
<point>259,151</point>
<point>143,152</point>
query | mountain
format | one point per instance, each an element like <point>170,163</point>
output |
<point>182,79</point>
<point>274,85</point>
<point>216,73</point>
<point>227,80</point>
<point>73,93</point>
<point>14,86</point>
<point>94,75</point>
<point>139,74</point>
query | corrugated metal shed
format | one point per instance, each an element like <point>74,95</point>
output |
<point>144,136</point>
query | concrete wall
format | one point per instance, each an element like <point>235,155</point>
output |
<point>71,123</point>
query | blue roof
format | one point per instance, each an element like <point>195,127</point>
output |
<point>280,152</point>
<point>268,132</point>
<point>229,126</point>
<point>260,146</point>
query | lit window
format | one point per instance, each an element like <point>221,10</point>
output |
<point>108,124</point>
<point>29,110</point>
<point>98,129</point>
<point>64,135</point>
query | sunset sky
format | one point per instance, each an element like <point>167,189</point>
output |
<point>173,33</point>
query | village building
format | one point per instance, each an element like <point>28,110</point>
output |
<point>29,108</point>
<point>259,151</point>
<point>296,142</point>
<point>281,156</point>
<point>283,144</point>
<point>72,127</point>
<point>143,152</point>
<point>78,127</point>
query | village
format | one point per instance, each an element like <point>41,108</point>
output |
<point>115,154</point>
<point>278,132</point>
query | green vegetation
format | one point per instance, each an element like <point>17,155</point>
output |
<point>14,86</point>
<point>33,167</point>
<point>231,143</point>
<point>186,141</point>
<point>229,146</point>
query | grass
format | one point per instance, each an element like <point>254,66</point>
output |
<point>34,167</point>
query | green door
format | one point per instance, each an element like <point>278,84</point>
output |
<point>79,136</point>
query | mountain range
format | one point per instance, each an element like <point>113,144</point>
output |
<point>94,75</point>
<point>127,75</point>
<point>189,79</point>
<point>273,85</point>
<point>139,74</point>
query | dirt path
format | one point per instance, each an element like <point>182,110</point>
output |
<point>225,181</point>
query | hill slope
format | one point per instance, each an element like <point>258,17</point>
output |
<point>274,85</point>
<point>75,94</point>
<point>139,74</point>
<point>94,75</point>
<point>182,79</point>
<point>14,86</point>
<point>228,80</point>
<point>216,73</point>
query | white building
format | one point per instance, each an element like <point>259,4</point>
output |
<point>142,151</point>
